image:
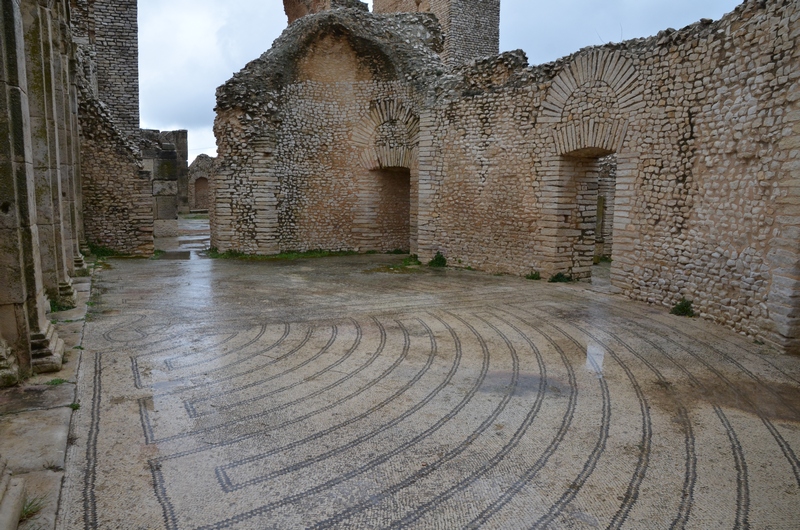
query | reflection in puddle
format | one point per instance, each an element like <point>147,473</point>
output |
<point>595,355</point>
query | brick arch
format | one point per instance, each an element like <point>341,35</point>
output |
<point>388,136</point>
<point>589,103</point>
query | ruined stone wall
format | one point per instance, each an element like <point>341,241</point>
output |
<point>165,156</point>
<point>703,123</point>
<point>330,196</point>
<point>117,204</point>
<point>296,9</point>
<point>508,160</point>
<point>471,28</point>
<point>117,209</point>
<point>316,187</point>
<point>113,33</point>
<point>401,6</point>
<point>328,160</point>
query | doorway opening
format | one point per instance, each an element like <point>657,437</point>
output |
<point>584,198</point>
<point>201,194</point>
<point>394,207</point>
<point>604,223</point>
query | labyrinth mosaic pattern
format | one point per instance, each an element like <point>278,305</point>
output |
<point>330,394</point>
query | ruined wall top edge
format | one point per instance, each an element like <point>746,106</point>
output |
<point>481,73</point>
<point>409,43</point>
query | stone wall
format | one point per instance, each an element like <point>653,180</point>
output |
<point>118,196</point>
<point>338,170</point>
<point>296,9</point>
<point>401,6</point>
<point>68,170</point>
<point>117,203</point>
<point>165,156</point>
<point>471,27</point>
<point>31,178</point>
<point>701,122</point>
<point>507,162</point>
<point>113,33</point>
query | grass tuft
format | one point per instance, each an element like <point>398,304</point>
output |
<point>683,308</point>
<point>57,305</point>
<point>560,277</point>
<point>534,275</point>
<point>100,252</point>
<point>31,507</point>
<point>438,261</point>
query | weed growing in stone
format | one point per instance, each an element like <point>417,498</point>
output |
<point>52,466</point>
<point>411,261</point>
<point>438,261</point>
<point>157,254</point>
<point>58,304</point>
<point>31,507</point>
<point>534,275</point>
<point>560,277</point>
<point>409,265</point>
<point>74,406</point>
<point>683,308</point>
<point>56,382</point>
<point>100,252</point>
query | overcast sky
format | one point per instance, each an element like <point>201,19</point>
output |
<point>187,48</point>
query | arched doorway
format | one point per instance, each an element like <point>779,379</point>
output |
<point>388,139</point>
<point>383,220</point>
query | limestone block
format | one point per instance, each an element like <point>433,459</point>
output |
<point>165,188</point>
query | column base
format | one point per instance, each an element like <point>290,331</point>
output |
<point>47,351</point>
<point>66,293</point>
<point>78,262</point>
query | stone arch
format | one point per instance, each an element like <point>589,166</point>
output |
<point>589,103</point>
<point>588,108</point>
<point>388,136</point>
<point>201,198</point>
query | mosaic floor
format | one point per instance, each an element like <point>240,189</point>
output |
<point>332,394</point>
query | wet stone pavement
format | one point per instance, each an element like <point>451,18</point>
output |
<point>330,393</point>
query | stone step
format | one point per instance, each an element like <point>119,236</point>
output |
<point>47,351</point>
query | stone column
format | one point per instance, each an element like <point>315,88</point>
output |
<point>61,105</point>
<point>49,207</point>
<point>22,301</point>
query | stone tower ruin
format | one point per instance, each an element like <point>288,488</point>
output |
<point>471,27</point>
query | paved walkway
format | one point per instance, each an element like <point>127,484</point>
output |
<point>330,393</point>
